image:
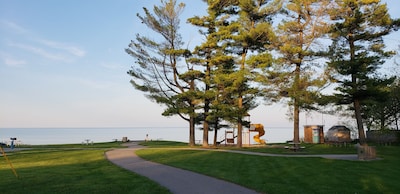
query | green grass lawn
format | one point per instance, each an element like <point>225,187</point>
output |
<point>60,169</point>
<point>115,144</point>
<point>84,169</point>
<point>291,175</point>
<point>308,149</point>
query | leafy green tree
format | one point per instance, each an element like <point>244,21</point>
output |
<point>357,51</point>
<point>395,87</point>
<point>383,111</point>
<point>159,69</point>
<point>377,110</point>
<point>295,73</point>
<point>394,104</point>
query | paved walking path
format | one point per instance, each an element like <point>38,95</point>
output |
<point>327,156</point>
<point>180,181</point>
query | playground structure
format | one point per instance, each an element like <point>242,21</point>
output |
<point>230,135</point>
<point>229,138</point>
<point>260,129</point>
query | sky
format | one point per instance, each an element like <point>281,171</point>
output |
<point>63,64</point>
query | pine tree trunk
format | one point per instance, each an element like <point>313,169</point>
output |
<point>296,112</point>
<point>215,136</point>
<point>296,115</point>
<point>360,127</point>
<point>207,102</point>
<point>240,127</point>
<point>205,133</point>
<point>191,132</point>
<point>239,135</point>
<point>356,102</point>
<point>383,119</point>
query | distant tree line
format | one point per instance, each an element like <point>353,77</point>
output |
<point>276,50</point>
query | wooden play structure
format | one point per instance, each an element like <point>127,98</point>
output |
<point>229,138</point>
<point>230,135</point>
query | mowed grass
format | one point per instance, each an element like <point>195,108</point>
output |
<point>291,175</point>
<point>59,169</point>
<point>115,144</point>
<point>308,149</point>
<point>84,169</point>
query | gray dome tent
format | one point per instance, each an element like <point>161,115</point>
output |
<point>338,133</point>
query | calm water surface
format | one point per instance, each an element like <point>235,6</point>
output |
<point>37,136</point>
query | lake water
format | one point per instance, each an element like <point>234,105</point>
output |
<point>37,136</point>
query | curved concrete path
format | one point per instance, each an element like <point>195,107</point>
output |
<point>178,181</point>
<point>183,181</point>
<point>327,156</point>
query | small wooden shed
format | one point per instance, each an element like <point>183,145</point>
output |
<point>314,134</point>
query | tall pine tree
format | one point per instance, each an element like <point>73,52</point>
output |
<point>159,69</point>
<point>357,52</point>
<point>296,71</point>
<point>211,55</point>
<point>249,31</point>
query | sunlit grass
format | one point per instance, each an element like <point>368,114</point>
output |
<point>69,171</point>
<point>306,149</point>
<point>290,175</point>
<point>82,169</point>
<point>155,144</point>
<point>114,144</point>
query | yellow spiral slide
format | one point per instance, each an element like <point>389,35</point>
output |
<point>260,129</point>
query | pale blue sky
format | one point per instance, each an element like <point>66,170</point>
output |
<point>63,64</point>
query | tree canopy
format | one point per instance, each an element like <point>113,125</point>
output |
<point>280,50</point>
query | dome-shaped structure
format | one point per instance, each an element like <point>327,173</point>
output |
<point>338,133</point>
